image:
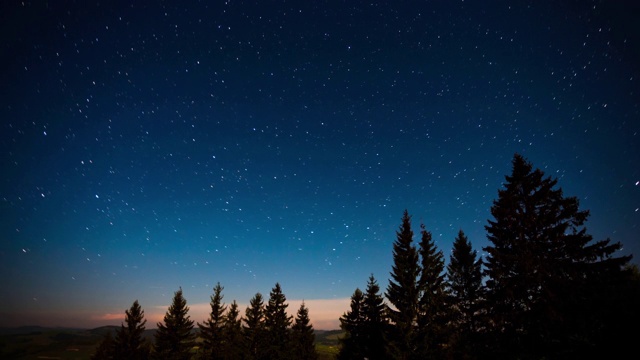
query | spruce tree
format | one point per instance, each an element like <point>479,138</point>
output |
<point>375,323</point>
<point>432,318</point>
<point>211,329</point>
<point>254,331</point>
<point>464,273</point>
<point>352,346</point>
<point>402,291</point>
<point>174,338</point>
<point>129,343</point>
<point>277,324</point>
<point>302,336</point>
<point>541,265</point>
<point>232,334</point>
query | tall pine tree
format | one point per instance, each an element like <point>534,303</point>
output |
<point>466,291</point>
<point>277,324</point>
<point>233,343</point>
<point>211,329</point>
<point>352,346</point>
<point>174,338</point>
<point>403,292</point>
<point>129,343</point>
<point>302,336</point>
<point>254,331</point>
<point>540,266</point>
<point>375,323</point>
<point>432,318</point>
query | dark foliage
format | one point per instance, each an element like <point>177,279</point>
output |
<point>104,351</point>
<point>254,331</point>
<point>174,338</point>
<point>466,292</point>
<point>366,325</point>
<point>432,317</point>
<point>352,322</point>
<point>232,334</point>
<point>211,329</point>
<point>302,336</point>
<point>550,292</point>
<point>375,324</point>
<point>277,324</point>
<point>618,299</point>
<point>543,269</point>
<point>402,291</point>
<point>129,343</point>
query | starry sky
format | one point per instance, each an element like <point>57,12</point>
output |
<point>170,144</point>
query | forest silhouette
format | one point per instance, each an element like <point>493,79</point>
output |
<point>544,290</point>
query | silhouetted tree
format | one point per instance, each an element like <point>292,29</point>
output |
<point>277,324</point>
<point>211,329</point>
<point>402,292</point>
<point>129,343</point>
<point>232,334</point>
<point>105,349</point>
<point>610,312</point>
<point>352,322</point>
<point>543,268</point>
<point>302,336</point>
<point>464,273</point>
<point>432,317</point>
<point>618,298</point>
<point>375,324</point>
<point>174,338</point>
<point>254,331</point>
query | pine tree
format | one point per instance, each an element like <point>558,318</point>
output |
<point>211,329</point>
<point>174,338</point>
<point>129,343</point>
<point>540,266</point>
<point>375,323</point>
<point>277,324</point>
<point>352,346</point>
<point>464,274</point>
<point>402,291</point>
<point>232,334</point>
<point>254,331</point>
<point>302,336</point>
<point>432,330</point>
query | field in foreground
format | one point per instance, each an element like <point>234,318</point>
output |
<point>34,342</point>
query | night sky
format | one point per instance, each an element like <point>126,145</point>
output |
<point>161,145</point>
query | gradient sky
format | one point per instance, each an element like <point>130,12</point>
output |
<point>149,147</point>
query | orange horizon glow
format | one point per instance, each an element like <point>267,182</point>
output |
<point>323,313</point>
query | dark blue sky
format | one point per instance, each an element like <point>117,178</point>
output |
<point>147,147</point>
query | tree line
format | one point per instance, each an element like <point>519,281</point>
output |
<point>265,332</point>
<point>544,290</point>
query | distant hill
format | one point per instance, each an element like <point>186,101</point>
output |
<point>103,330</point>
<point>327,343</point>
<point>328,337</point>
<point>31,329</point>
<point>36,342</point>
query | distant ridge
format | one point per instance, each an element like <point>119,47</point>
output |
<point>21,330</point>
